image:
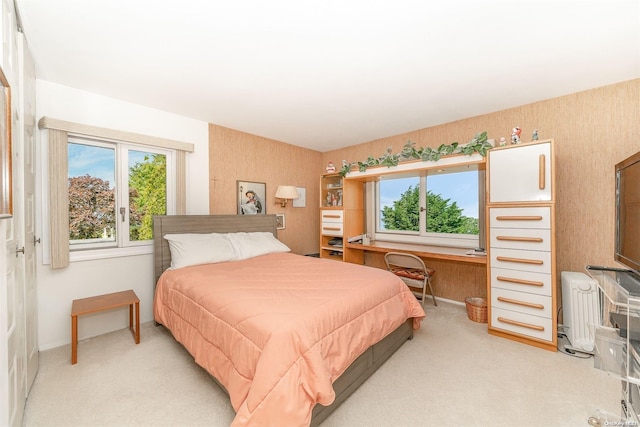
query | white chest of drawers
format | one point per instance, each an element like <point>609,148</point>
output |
<point>521,252</point>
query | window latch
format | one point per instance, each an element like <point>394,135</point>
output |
<point>123,211</point>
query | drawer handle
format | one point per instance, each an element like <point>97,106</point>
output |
<point>522,303</point>
<point>520,260</point>
<point>331,228</point>
<point>331,216</point>
<point>541,183</point>
<point>519,281</point>
<point>519,217</point>
<point>524,325</point>
<point>520,239</point>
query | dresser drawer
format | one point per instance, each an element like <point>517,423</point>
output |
<point>522,302</point>
<point>527,217</point>
<point>521,281</point>
<point>521,323</point>
<point>536,239</point>
<point>512,259</point>
<point>331,228</point>
<point>330,216</point>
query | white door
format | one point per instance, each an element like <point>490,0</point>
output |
<point>15,334</point>
<point>18,266</point>
<point>520,173</point>
<point>28,108</point>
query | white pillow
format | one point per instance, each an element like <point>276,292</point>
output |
<point>249,245</point>
<point>195,249</point>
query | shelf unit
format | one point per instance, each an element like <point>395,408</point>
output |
<point>331,216</point>
<point>331,232</point>
<point>341,216</point>
<point>617,336</point>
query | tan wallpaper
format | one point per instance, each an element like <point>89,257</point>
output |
<point>235,155</point>
<point>593,130</point>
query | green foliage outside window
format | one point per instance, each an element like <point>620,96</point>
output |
<point>443,216</point>
<point>147,195</point>
<point>92,212</point>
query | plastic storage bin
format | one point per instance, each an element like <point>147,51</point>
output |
<point>610,352</point>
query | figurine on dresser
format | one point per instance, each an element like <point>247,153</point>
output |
<point>330,168</point>
<point>515,135</point>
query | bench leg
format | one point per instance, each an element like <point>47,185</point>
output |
<point>136,331</point>
<point>138,323</point>
<point>74,340</point>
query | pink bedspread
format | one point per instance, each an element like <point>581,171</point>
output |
<point>277,330</point>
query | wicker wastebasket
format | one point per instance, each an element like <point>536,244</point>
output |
<point>476,309</point>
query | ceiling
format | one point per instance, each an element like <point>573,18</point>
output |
<point>325,74</point>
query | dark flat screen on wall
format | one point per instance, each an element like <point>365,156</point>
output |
<point>627,240</point>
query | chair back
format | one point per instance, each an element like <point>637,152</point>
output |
<point>403,260</point>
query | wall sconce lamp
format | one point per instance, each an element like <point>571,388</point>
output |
<point>286,192</point>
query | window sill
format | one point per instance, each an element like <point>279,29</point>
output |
<point>459,241</point>
<point>94,254</point>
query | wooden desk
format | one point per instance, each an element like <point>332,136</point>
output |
<point>100,303</point>
<point>422,251</point>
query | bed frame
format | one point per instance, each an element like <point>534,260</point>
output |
<point>361,369</point>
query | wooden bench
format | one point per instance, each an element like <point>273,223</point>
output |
<point>101,303</point>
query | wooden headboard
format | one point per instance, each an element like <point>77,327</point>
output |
<point>174,224</point>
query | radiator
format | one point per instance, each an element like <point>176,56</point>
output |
<point>579,308</point>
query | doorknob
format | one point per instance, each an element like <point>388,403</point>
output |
<point>19,250</point>
<point>36,240</point>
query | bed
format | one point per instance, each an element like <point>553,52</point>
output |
<point>287,337</point>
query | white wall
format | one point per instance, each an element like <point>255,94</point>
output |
<point>57,288</point>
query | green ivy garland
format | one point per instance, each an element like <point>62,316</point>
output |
<point>478,145</point>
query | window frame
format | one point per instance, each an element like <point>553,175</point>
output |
<point>121,198</point>
<point>422,236</point>
<point>102,144</point>
<point>170,190</point>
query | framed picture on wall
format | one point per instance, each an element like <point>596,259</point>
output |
<point>252,198</point>
<point>301,201</point>
<point>280,221</point>
<point>6,197</point>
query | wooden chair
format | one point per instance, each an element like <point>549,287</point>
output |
<point>412,271</point>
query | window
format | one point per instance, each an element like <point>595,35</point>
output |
<point>56,231</point>
<point>114,191</point>
<point>436,207</point>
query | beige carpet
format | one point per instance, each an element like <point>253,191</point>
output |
<point>452,373</point>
